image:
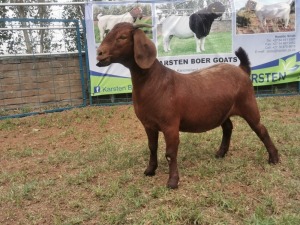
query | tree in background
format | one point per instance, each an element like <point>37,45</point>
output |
<point>28,39</point>
<point>5,35</point>
<point>73,12</point>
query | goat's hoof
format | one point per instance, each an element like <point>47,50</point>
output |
<point>274,160</point>
<point>220,154</point>
<point>172,183</point>
<point>149,173</point>
<point>172,186</point>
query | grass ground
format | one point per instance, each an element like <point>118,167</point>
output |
<point>85,166</point>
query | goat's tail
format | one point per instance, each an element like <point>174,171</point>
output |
<point>244,60</point>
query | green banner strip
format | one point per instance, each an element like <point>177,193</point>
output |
<point>105,85</point>
<point>286,71</point>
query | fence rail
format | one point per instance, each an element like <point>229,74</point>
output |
<point>41,82</point>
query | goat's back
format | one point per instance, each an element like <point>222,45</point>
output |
<point>177,25</point>
<point>109,21</point>
<point>221,78</point>
<point>270,11</point>
<point>278,10</point>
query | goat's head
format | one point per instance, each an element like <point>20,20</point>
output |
<point>128,45</point>
<point>216,8</point>
<point>136,12</point>
<point>251,5</point>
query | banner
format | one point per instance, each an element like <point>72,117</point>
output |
<point>271,39</point>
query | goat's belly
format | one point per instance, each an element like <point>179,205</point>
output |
<point>182,29</point>
<point>202,123</point>
<point>197,127</point>
<point>187,33</point>
<point>205,118</point>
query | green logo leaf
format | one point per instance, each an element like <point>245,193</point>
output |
<point>289,65</point>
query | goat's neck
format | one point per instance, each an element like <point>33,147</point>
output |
<point>144,81</point>
<point>140,76</point>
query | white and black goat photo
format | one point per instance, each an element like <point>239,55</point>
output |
<point>198,25</point>
<point>107,21</point>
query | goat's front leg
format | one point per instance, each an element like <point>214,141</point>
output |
<point>198,44</point>
<point>172,143</point>
<point>286,21</point>
<point>202,41</point>
<point>153,145</point>
<point>166,42</point>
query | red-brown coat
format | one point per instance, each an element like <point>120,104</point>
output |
<point>167,101</point>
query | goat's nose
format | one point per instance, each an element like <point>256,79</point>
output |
<point>99,51</point>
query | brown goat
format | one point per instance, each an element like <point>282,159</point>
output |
<point>167,101</point>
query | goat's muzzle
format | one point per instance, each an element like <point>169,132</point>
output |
<point>102,58</point>
<point>103,62</point>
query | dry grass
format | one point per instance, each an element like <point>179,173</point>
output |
<point>85,166</point>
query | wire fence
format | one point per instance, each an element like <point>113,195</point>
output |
<point>292,88</point>
<point>43,69</point>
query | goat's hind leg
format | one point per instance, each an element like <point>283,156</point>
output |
<point>264,136</point>
<point>153,145</point>
<point>227,131</point>
<point>252,116</point>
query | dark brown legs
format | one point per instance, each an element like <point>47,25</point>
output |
<point>227,131</point>
<point>263,134</point>
<point>172,142</point>
<point>153,145</point>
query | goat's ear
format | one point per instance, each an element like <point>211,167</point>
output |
<point>144,49</point>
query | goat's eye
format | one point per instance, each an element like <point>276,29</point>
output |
<point>122,37</point>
